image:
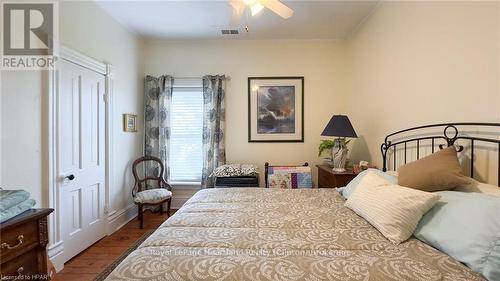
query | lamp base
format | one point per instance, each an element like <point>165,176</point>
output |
<point>338,170</point>
<point>339,155</point>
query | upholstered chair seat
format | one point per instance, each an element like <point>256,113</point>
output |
<point>152,196</point>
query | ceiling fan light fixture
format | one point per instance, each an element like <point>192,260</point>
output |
<point>256,8</point>
<point>250,2</point>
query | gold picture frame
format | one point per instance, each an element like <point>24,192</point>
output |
<point>129,123</point>
<point>275,92</point>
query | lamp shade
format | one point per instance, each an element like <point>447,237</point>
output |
<point>339,126</point>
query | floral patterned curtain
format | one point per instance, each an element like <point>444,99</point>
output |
<point>157,98</point>
<point>214,151</point>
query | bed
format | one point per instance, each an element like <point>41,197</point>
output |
<point>274,234</point>
<point>280,234</point>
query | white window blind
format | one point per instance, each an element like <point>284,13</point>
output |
<point>186,128</point>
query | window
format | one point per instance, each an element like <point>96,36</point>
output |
<point>186,128</point>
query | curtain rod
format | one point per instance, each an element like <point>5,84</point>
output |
<point>194,77</point>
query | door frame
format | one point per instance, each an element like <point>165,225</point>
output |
<point>56,244</point>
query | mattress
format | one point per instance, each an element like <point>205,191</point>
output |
<point>279,234</point>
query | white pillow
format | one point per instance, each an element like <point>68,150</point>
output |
<point>353,184</point>
<point>479,187</point>
<point>392,173</point>
<point>392,209</point>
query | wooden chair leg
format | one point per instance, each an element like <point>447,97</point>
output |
<point>161,209</point>
<point>141,218</point>
<point>168,207</point>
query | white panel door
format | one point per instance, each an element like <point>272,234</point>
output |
<point>81,153</point>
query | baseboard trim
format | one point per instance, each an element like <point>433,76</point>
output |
<point>55,253</point>
<point>181,195</point>
<point>117,219</point>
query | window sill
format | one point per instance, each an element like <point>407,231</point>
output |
<point>185,185</point>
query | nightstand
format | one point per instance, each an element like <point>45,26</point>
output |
<point>328,179</point>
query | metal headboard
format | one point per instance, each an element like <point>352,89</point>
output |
<point>451,134</point>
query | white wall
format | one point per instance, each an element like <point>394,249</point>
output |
<point>88,29</point>
<point>1,135</point>
<point>21,125</point>
<point>414,63</point>
<point>320,62</point>
<point>85,28</point>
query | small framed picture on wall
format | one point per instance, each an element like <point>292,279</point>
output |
<point>129,123</point>
<point>276,109</point>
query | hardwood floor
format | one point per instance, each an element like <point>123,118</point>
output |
<point>89,263</point>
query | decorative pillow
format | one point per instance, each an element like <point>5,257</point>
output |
<point>249,170</point>
<point>479,187</point>
<point>280,180</point>
<point>438,171</point>
<point>392,209</point>
<point>228,170</point>
<point>466,226</point>
<point>353,184</point>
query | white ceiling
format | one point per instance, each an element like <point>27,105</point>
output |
<point>205,19</point>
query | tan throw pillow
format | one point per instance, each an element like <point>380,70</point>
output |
<point>392,209</point>
<point>436,172</point>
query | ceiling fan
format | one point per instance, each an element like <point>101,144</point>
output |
<point>256,6</point>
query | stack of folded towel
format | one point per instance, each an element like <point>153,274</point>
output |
<point>14,202</point>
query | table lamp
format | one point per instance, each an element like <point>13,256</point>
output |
<point>340,127</point>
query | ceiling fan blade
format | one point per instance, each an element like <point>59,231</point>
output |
<point>238,8</point>
<point>279,8</point>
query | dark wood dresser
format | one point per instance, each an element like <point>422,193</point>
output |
<point>329,179</point>
<point>23,241</point>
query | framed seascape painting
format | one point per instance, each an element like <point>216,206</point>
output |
<point>276,109</point>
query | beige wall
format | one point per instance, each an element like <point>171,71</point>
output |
<point>414,63</point>
<point>320,62</point>
<point>85,28</point>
